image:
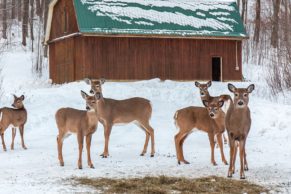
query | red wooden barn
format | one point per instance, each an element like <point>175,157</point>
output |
<point>144,39</point>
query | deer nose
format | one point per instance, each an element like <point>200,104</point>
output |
<point>12,105</point>
<point>240,103</point>
<point>91,91</point>
<point>211,115</point>
<point>87,108</point>
<point>202,93</point>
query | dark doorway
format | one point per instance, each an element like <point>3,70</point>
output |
<point>216,68</point>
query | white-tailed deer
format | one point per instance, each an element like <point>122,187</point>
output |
<point>83,123</point>
<point>204,94</point>
<point>15,117</point>
<point>112,112</point>
<point>238,123</point>
<point>209,119</point>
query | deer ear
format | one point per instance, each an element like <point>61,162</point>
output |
<point>197,84</point>
<point>205,103</point>
<point>251,88</point>
<point>87,81</point>
<point>231,88</point>
<point>221,103</point>
<point>14,96</point>
<point>209,83</point>
<point>84,95</point>
<point>102,80</point>
<point>22,97</point>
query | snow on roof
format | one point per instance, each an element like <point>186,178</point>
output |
<point>215,18</point>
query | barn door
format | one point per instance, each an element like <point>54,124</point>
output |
<point>216,68</point>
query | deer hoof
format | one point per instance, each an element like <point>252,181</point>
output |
<point>214,163</point>
<point>242,177</point>
<point>225,162</point>
<point>62,163</point>
<point>80,167</point>
<point>152,155</point>
<point>91,166</point>
<point>179,162</point>
<point>142,154</point>
<point>246,168</point>
<point>24,147</point>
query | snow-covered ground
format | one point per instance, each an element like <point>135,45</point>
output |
<point>37,170</point>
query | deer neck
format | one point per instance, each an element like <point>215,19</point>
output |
<point>101,106</point>
<point>234,113</point>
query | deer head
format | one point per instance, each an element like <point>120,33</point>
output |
<point>90,101</point>
<point>95,84</point>
<point>213,107</point>
<point>18,102</point>
<point>203,88</point>
<point>241,95</point>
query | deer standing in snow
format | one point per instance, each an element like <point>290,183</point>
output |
<point>83,123</point>
<point>238,123</point>
<point>209,119</point>
<point>204,95</point>
<point>112,112</point>
<point>15,117</point>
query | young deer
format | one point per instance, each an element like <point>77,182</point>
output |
<point>204,94</point>
<point>16,117</point>
<point>112,112</point>
<point>209,119</point>
<point>238,123</point>
<point>83,123</point>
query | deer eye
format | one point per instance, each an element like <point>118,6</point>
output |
<point>215,108</point>
<point>245,94</point>
<point>236,94</point>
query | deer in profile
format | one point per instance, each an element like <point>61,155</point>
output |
<point>112,112</point>
<point>15,117</point>
<point>204,95</point>
<point>209,119</point>
<point>81,122</point>
<point>238,123</point>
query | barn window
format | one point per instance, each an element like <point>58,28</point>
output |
<point>216,68</point>
<point>65,20</point>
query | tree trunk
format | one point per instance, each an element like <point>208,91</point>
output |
<point>275,23</point>
<point>38,8</point>
<point>13,9</point>
<point>257,22</point>
<point>4,19</point>
<point>19,10</point>
<point>46,6</point>
<point>25,21</point>
<point>31,23</point>
<point>244,7</point>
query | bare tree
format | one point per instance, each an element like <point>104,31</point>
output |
<point>13,9</point>
<point>275,23</point>
<point>31,23</point>
<point>4,19</point>
<point>257,22</point>
<point>25,21</point>
<point>19,10</point>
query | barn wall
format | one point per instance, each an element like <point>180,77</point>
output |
<point>141,58</point>
<point>58,21</point>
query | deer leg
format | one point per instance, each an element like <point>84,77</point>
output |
<point>13,137</point>
<point>144,151</point>
<point>224,138</point>
<point>21,129</point>
<point>241,154</point>
<point>181,148</point>
<point>107,131</point>
<point>212,145</point>
<point>80,142</point>
<point>151,132</point>
<point>236,145</point>
<point>245,160</point>
<point>215,141</point>
<point>3,142</point>
<point>231,155</point>
<point>60,139</point>
<point>88,145</point>
<point>219,140</point>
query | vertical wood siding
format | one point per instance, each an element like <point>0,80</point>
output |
<point>141,58</point>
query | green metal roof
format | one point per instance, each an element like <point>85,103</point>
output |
<point>218,18</point>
